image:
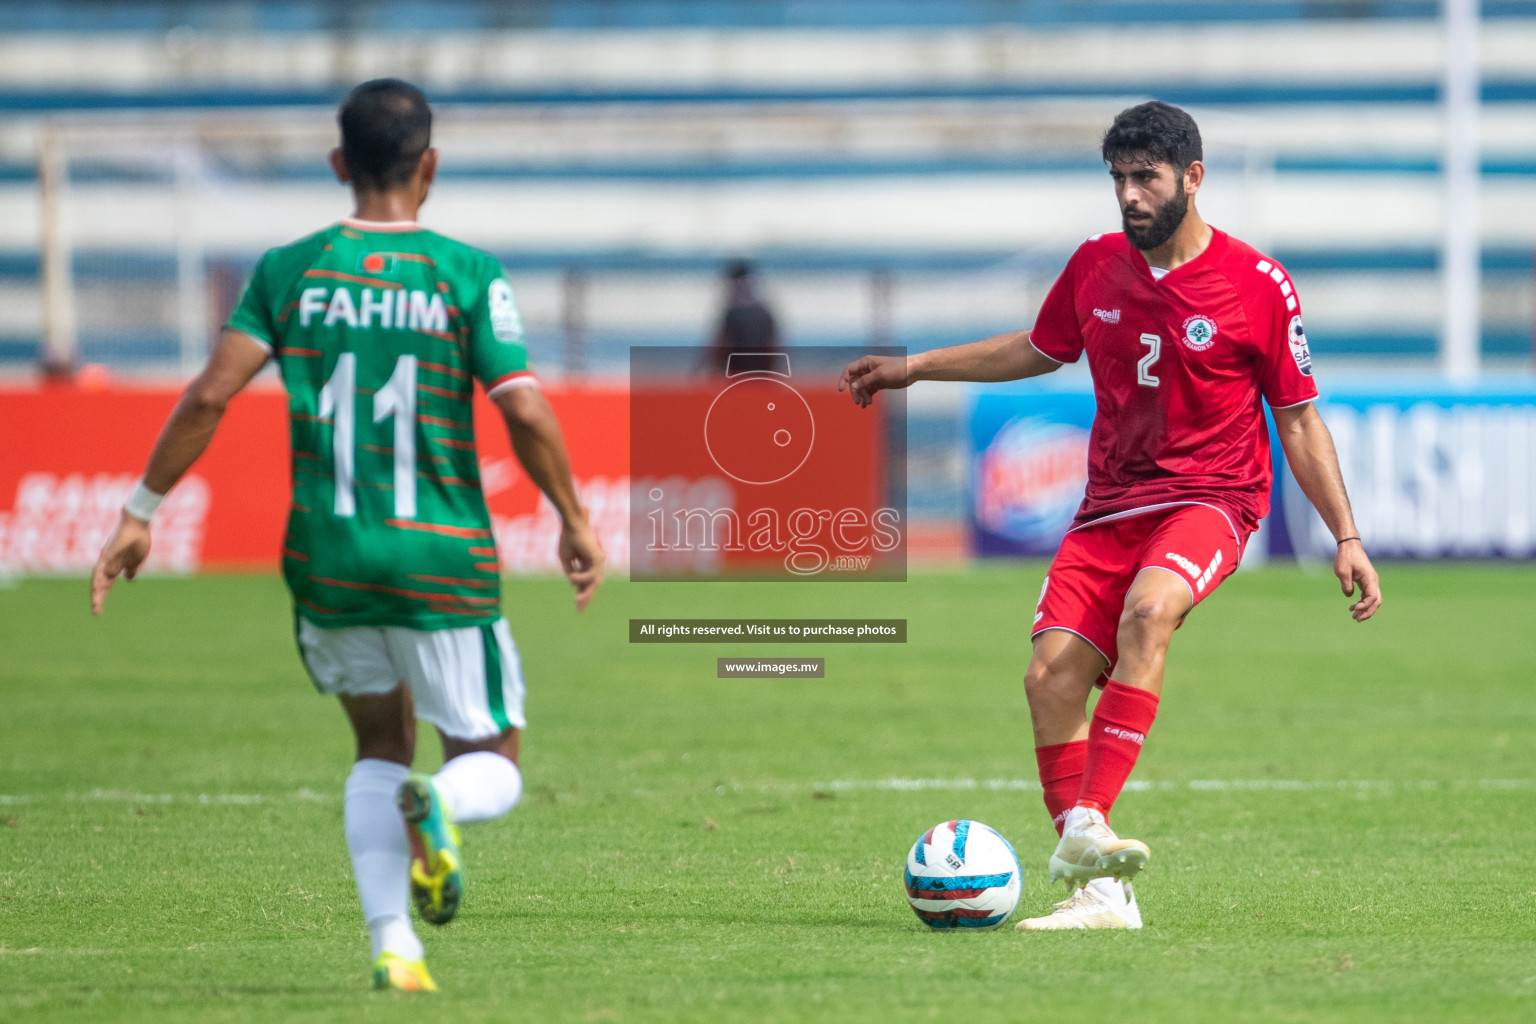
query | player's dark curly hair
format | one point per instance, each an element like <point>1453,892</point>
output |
<point>1156,131</point>
<point>385,127</point>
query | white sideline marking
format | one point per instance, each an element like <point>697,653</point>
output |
<point>1139,786</point>
<point>123,796</point>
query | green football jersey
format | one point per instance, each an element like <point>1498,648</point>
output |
<point>380,331</point>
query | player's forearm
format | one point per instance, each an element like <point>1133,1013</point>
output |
<point>1313,461</point>
<point>184,438</point>
<point>1001,357</point>
<point>235,359</point>
<point>540,448</point>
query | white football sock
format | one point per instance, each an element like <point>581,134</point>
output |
<point>1111,889</point>
<point>1080,817</point>
<point>381,855</point>
<point>478,786</point>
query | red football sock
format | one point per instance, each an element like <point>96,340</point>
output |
<point>1120,723</point>
<point>1061,776</point>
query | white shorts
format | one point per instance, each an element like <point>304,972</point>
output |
<point>467,682</point>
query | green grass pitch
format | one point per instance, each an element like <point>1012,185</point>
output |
<point>171,844</point>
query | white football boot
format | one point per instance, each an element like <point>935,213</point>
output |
<point>1090,849</point>
<point>1102,903</point>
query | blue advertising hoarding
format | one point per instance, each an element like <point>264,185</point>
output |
<point>1432,471</point>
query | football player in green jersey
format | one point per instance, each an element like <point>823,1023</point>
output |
<point>380,329</point>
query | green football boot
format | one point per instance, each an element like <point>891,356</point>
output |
<point>393,972</point>
<point>437,874</point>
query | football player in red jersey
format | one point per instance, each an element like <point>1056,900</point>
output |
<point>1188,332</point>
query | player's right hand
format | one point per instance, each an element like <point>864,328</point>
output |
<point>1352,566</point>
<point>863,377</point>
<point>123,553</point>
<point>581,558</point>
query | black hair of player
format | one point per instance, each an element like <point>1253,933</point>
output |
<point>386,125</point>
<point>1154,131</point>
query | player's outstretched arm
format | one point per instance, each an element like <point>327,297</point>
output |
<point>1309,450</point>
<point>540,447</point>
<point>235,360</point>
<point>1001,357</point>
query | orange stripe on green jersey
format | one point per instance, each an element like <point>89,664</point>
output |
<point>337,275</point>
<point>450,371</point>
<point>454,581</point>
<point>448,481</point>
<point>322,609</point>
<point>418,553</point>
<point>447,531</point>
<point>447,424</point>
<point>448,609</point>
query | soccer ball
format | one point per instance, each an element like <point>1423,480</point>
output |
<point>962,874</point>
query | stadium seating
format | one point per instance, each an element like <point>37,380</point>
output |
<point>863,151</point>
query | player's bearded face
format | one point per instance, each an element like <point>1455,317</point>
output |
<point>1149,221</point>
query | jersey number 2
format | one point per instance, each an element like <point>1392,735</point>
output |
<point>396,398</point>
<point>1144,374</point>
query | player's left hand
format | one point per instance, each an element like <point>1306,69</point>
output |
<point>581,557</point>
<point>123,553</point>
<point>1352,566</point>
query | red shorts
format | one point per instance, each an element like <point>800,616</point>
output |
<point>1084,592</point>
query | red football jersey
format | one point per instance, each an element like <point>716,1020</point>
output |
<point>1179,368</point>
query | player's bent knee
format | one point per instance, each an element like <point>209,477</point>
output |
<point>1149,620</point>
<point>1045,684</point>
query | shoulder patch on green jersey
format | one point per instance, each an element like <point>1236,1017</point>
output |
<point>506,325</point>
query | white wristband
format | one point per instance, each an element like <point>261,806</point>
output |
<point>143,502</point>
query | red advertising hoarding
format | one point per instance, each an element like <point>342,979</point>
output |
<point>71,456</point>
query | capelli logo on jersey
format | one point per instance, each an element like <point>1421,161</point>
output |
<point>1201,577</point>
<point>1109,316</point>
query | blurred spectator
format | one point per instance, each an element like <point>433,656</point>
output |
<point>747,325</point>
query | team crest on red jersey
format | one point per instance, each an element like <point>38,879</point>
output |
<point>1199,333</point>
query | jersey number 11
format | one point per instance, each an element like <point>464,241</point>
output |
<point>396,398</point>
